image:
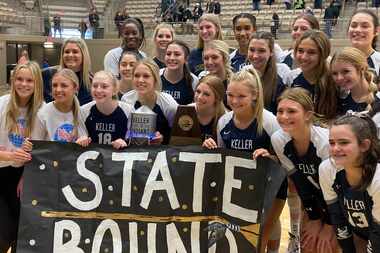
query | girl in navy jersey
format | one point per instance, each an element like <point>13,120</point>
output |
<point>106,118</point>
<point>217,62</point>
<point>311,51</point>
<point>300,25</point>
<point>127,62</point>
<point>163,34</point>
<point>362,32</point>
<point>60,120</point>
<point>244,24</point>
<point>147,91</point>
<point>209,29</point>
<point>75,56</point>
<point>262,57</point>
<point>350,182</point>
<point>248,127</point>
<point>18,111</point>
<point>349,70</point>
<point>301,147</point>
<point>176,78</point>
<point>209,106</point>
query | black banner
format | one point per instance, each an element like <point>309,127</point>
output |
<point>144,199</point>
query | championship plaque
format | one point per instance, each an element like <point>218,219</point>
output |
<point>143,126</point>
<point>186,129</point>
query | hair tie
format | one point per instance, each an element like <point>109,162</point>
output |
<point>362,114</point>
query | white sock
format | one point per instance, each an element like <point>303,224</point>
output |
<point>294,204</point>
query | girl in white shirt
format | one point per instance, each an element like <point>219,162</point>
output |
<point>60,120</point>
<point>18,111</point>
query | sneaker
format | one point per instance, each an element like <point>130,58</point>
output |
<point>294,245</point>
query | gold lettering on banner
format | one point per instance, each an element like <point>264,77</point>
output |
<point>250,232</point>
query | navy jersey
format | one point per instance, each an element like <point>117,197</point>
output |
<point>84,94</point>
<point>352,210</point>
<point>104,129</point>
<point>283,73</point>
<point>248,139</point>
<point>207,131</point>
<point>195,61</point>
<point>288,58</point>
<point>182,92</point>
<point>238,61</point>
<point>303,170</point>
<point>165,108</point>
<point>159,63</point>
<point>374,61</point>
<point>229,136</point>
<point>348,103</point>
<point>297,79</point>
<point>376,113</point>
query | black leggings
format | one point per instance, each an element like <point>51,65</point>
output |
<point>9,207</point>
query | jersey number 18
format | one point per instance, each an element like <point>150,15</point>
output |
<point>105,138</point>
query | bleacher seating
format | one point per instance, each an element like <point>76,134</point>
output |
<point>100,5</point>
<point>374,9</point>
<point>9,17</point>
<point>264,16</point>
<point>145,9</point>
<point>29,4</point>
<point>71,14</point>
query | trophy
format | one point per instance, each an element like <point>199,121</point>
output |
<point>143,126</point>
<point>186,129</point>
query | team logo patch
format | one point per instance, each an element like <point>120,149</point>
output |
<point>64,133</point>
<point>18,138</point>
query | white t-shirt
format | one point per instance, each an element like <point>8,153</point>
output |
<point>54,125</point>
<point>10,141</point>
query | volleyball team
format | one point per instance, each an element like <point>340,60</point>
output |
<point>314,112</point>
